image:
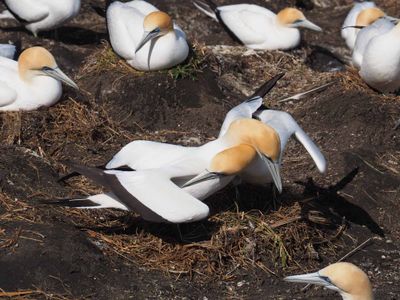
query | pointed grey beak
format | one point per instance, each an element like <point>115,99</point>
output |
<point>274,170</point>
<point>392,19</point>
<point>148,36</point>
<point>56,73</point>
<point>313,278</point>
<point>204,176</point>
<point>309,25</point>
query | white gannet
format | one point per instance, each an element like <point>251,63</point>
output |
<point>41,15</point>
<point>345,278</point>
<point>32,82</point>
<point>376,23</point>
<point>139,155</point>
<point>257,27</point>
<point>380,67</point>
<point>144,36</point>
<point>160,195</point>
<point>349,33</point>
<point>7,50</point>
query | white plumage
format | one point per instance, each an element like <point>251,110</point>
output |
<point>165,47</point>
<point>41,15</point>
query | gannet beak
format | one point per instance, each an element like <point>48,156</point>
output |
<point>274,169</point>
<point>313,278</point>
<point>392,19</point>
<point>56,73</point>
<point>309,25</point>
<point>148,36</point>
<point>204,176</point>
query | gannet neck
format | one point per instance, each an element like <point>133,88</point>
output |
<point>252,132</point>
<point>369,16</point>
<point>352,282</point>
<point>32,60</point>
<point>289,15</point>
<point>158,20</point>
<point>233,160</point>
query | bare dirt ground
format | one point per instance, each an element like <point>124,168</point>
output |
<point>247,245</point>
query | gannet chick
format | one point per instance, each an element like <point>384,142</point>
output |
<point>144,36</point>
<point>348,32</point>
<point>380,67</point>
<point>345,278</point>
<point>32,82</point>
<point>257,27</point>
<point>41,15</point>
<point>374,22</point>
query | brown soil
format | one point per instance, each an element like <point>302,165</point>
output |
<point>247,245</point>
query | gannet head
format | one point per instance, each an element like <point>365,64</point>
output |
<point>369,16</point>
<point>347,279</point>
<point>155,24</point>
<point>233,160</point>
<point>264,139</point>
<point>250,138</point>
<point>294,18</point>
<point>37,61</point>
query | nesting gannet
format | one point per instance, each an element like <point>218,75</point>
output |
<point>161,195</point>
<point>345,278</point>
<point>379,24</point>
<point>380,67</point>
<point>349,33</point>
<point>144,36</point>
<point>32,82</point>
<point>257,27</point>
<point>41,15</point>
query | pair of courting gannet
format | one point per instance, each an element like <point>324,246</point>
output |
<point>32,82</point>
<point>170,187</point>
<point>257,27</point>
<point>41,15</point>
<point>345,278</point>
<point>144,36</point>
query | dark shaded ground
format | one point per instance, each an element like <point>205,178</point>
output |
<point>64,254</point>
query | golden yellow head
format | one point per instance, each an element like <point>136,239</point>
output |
<point>233,160</point>
<point>158,19</point>
<point>350,279</point>
<point>258,135</point>
<point>290,15</point>
<point>369,16</point>
<point>35,59</point>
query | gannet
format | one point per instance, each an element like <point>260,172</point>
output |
<point>257,27</point>
<point>375,23</point>
<point>349,33</point>
<point>380,67</point>
<point>144,36</point>
<point>41,15</point>
<point>157,194</point>
<point>345,278</point>
<point>32,82</point>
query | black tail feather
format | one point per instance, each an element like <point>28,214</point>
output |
<point>266,87</point>
<point>71,203</point>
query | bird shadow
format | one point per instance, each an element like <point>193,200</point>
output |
<point>332,205</point>
<point>69,35</point>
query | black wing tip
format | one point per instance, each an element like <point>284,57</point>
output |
<point>266,87</point>
<point>70,203</point>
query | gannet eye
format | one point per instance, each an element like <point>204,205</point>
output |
<point>298,21</point>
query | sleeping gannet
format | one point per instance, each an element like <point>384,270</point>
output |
<point>345,278</point>
<point>144,36</point>
<point>374,23</point>
<point>32,82</point>
<point>380,67</point>
<point>349,33</point>
<point>257,27</point>
<point>41,15</point>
